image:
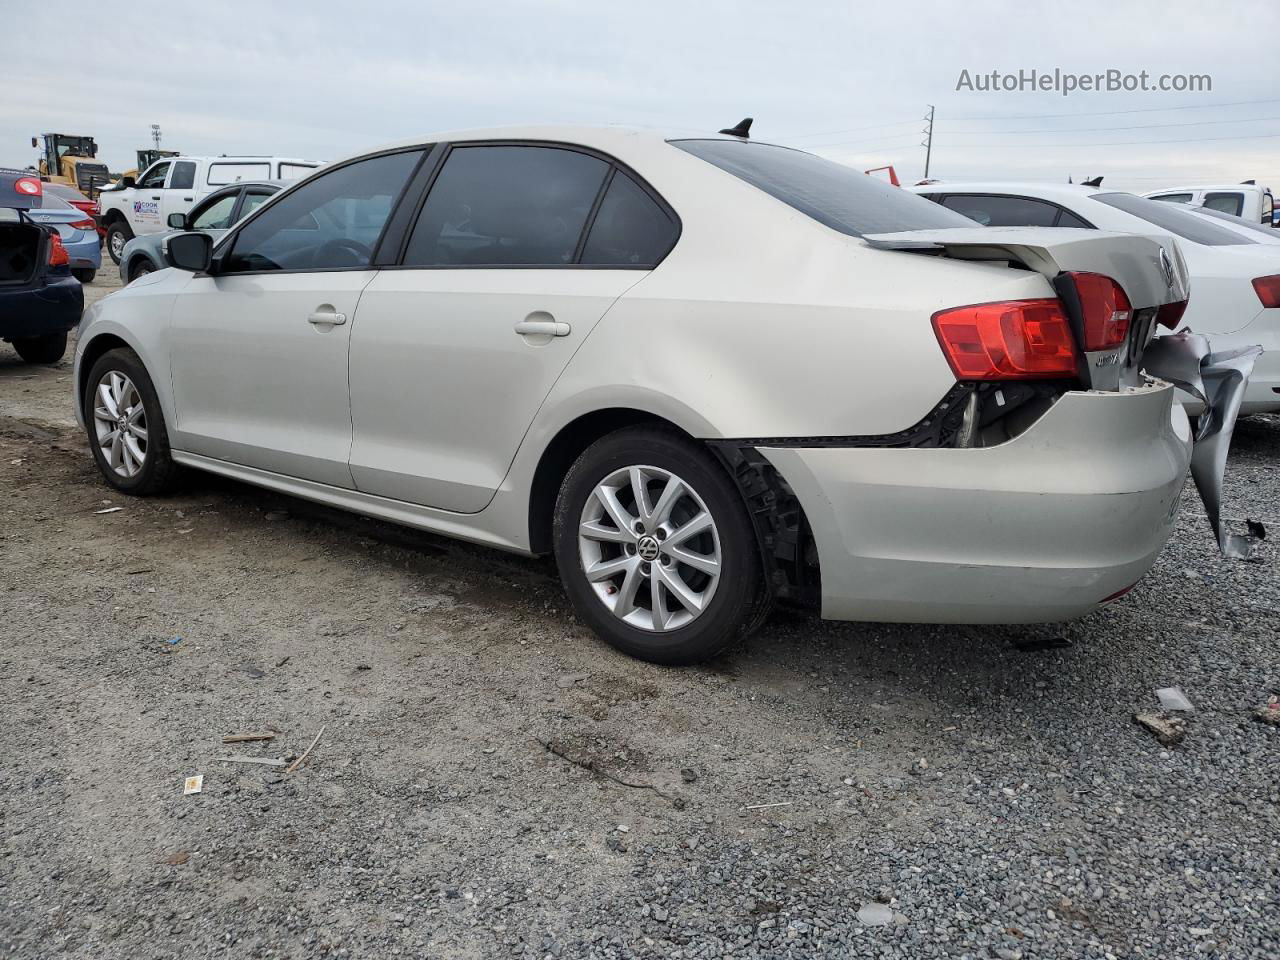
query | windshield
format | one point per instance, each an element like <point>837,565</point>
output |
<point>837,196</point>
<point>1175,218</point>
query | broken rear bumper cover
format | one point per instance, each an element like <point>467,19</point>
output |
<point>1044,527</point>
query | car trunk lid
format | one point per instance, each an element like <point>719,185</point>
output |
<point>1150,271</point>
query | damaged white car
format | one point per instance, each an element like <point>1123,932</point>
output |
<point>705,373</point>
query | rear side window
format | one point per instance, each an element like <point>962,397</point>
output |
<point>329,223</point>
<point>184,175</point>
<point>1004,211</point>
<point>221,174</point>
<point>295,171</point>
<point>630,229</point>
<point>1232,203</point>
<point>1173,197</point>
<point>837,196</point>
<point>503,206</point>
<point>1174,219</point>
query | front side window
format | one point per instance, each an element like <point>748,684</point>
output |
<point>184,175</point>
<point>1232,203</point>
<point>214,215</point>
<point>630,228</point>
<point>1173,218</point>
<point>837,196</point>
<point>153,179</point>
<point>501,206</point>
<point>995,211</point>
<point>331,222</point>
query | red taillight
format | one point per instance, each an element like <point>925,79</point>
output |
<point>1012,340</point>
<point>1268,289</point>
<point>86,224</point>
<point>1105,308</point>
<point>57,252</point>
<point>31,186</point>
<point>1170,314</point>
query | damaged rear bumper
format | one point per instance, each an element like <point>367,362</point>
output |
<point>1044,527</point>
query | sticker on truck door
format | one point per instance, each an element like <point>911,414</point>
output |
<point>147,210</point>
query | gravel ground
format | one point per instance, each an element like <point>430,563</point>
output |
<point>492,782</point>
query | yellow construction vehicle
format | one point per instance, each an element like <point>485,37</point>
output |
<point>71,160</point>
<point>146,158</point>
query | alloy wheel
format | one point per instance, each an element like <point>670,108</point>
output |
<point>649,548</point>
<point>117,245</point>
<point>120,423</point>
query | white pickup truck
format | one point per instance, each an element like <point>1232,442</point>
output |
<point>175,184</point>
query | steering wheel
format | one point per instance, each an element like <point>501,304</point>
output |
<point>360,253</point>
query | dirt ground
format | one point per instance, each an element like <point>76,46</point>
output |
<point>492,781</point>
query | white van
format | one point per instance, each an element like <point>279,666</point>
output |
<point>1248,200</point>
<point>175,185</point>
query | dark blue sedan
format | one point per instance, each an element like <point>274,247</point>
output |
<point>39,298</point>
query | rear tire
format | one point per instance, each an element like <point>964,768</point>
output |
<point>84,274</point>
<point>118,234</point>
<point>42,349</point>
<point>139,463</point>
<point>706,585</point>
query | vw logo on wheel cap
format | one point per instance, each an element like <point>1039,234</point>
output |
<point>647,548</point>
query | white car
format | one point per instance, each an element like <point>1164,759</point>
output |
<point>174,185</point>
<point>704,372</point>
<point>1235,275</point>
<point>1251,201</point>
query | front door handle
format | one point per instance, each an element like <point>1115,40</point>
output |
<point>329,316</point>
<point>543,328</point>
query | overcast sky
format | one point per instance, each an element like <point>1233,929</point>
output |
<point>325,78</point>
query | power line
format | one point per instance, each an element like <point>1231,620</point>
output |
<point>1141,126</point>
<point>1113,113</point>
<point>836,133</point>
<point>1119,143</point>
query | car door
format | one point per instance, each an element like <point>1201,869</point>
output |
<point>518,251</point>
<point>148,199</point>
<point>179,194</point>
<point>259,346</point>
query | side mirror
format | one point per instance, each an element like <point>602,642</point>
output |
<point>128,182</point>
<point>189,251</point>
<point>35,143</point>
<point>178,221</point>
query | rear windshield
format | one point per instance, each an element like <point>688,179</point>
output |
<point>837,196</point>
<point>1174,218</point>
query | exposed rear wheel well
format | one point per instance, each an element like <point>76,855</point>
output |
<point>111,216</point>
<point>787,548</point>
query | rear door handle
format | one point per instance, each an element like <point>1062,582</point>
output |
<point>327,316</point>
<point>543,328</point>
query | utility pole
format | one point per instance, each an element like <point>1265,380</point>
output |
<point>928,139</point>
<point>155,136</point>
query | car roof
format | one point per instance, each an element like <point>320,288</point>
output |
<point>1243,187</point>
<point>1045,191</point>
<point>607,139</point>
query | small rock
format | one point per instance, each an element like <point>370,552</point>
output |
<point>571,679</point>
<point>272,516</point>
<point>252,672</point>
<point>688,775</point>
<point>660,914</point>
<point>1168,730</point>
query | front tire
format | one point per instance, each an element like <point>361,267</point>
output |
<point>655,547</point>
<point>140,269</point>
<point>126,427</point>
<point>118,234</point>
<point>42,349</point>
